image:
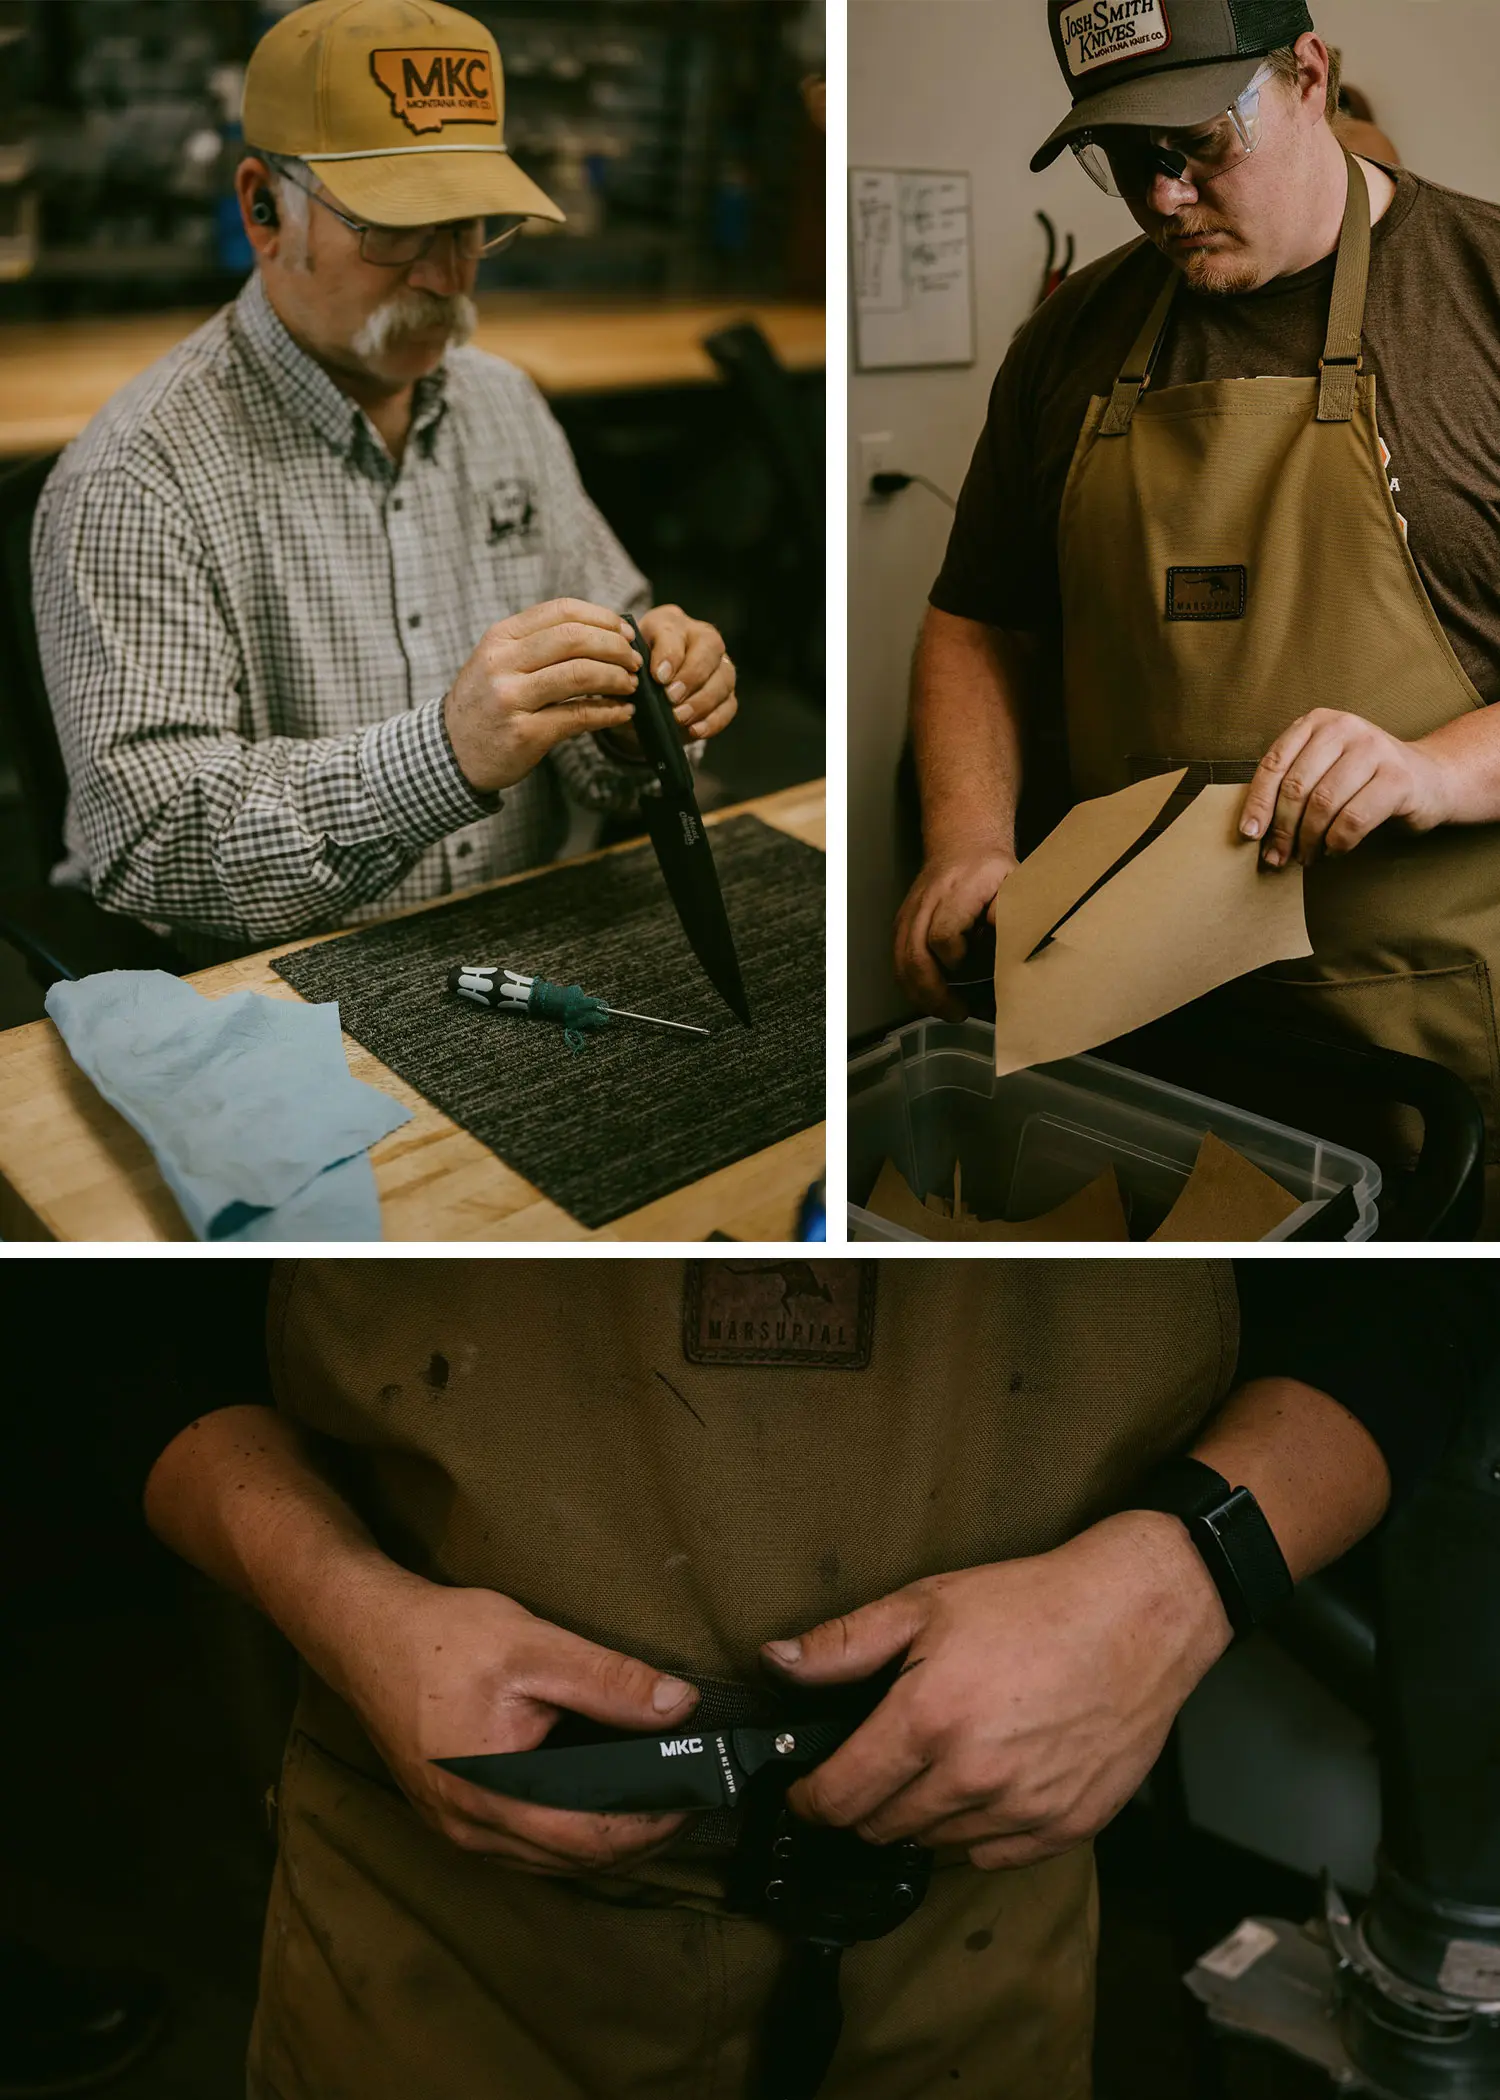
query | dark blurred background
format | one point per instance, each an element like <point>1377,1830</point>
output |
<point>670,131</point>
<point>677,136</point>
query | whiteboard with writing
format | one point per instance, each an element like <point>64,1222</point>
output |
<point>912,256</point>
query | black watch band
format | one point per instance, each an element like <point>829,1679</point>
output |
<point>1228,1528</point>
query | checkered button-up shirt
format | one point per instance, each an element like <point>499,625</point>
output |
<point>249,616</point>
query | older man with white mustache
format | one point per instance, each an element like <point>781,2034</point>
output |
<point>328,621</point>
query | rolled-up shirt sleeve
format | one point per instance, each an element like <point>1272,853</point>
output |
<point>186,819</point>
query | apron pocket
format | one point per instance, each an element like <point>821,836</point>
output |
<point>1445,1016</point>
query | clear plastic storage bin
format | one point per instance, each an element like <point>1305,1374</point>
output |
<point>928,1095</point>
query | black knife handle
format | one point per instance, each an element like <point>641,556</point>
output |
<point>655,725</point>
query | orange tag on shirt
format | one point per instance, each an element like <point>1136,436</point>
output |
<point>429,89</point>
<point>819,1315</point>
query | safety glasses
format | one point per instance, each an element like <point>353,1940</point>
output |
<point>396,247</point>
<point>1125,159</point>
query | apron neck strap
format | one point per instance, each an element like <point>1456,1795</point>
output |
<point>1342,360</point>
<point>1135,376</point>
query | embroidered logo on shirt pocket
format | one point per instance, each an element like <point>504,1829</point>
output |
<point>512,514</point>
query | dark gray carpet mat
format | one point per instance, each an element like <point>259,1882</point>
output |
<point>639,1111</point>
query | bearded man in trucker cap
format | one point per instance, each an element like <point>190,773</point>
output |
<point>328,621</point>
<point>1272,583</point>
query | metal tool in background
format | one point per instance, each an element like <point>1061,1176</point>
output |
<point>506,991</point>
<point>683,853</point>
<point>1402,2001</point>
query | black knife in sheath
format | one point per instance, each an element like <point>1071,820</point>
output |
<point>683,853</point>
<point>652,1773</point>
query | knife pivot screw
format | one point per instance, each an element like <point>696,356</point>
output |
<point>785,1745</point>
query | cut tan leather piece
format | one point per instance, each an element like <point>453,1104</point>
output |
<point>1193,910</point>
<point>1226,1198</point>
<point>1095,1213</point>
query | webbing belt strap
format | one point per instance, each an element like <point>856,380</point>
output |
<point>1342,360</point>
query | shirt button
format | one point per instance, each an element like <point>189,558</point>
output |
<point>415,620</point>
<point>399,503</point>
<point>465,848</point>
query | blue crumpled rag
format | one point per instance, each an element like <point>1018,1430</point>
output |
<point>248,1104</point>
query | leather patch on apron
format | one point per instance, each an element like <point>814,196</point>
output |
<point>818,1315</point>
<point>1207,594</point>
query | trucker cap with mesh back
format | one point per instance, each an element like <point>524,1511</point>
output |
<point>397,105</point>
<point>1163,64</point>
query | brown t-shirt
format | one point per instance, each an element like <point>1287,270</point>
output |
<point>1432,338</point>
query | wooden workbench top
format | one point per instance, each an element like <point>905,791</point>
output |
<point>71,1168</point>
<point>55,375</point>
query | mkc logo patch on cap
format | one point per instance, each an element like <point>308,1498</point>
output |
<point>1102,32</point>
<point>429,89</point>
<point>818,1315</point>
<point>1207,594</point>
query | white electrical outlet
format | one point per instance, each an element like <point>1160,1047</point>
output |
<point>876,451</point>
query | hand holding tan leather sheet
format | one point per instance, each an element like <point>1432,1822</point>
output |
<point>1191,911</point>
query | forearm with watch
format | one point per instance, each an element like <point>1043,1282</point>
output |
<point>1035,1694</point>
<point>1282,1481</point>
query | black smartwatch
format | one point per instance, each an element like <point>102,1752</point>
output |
<point>1228,1528</point>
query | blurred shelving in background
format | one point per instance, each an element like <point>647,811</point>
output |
<point>670,131</point>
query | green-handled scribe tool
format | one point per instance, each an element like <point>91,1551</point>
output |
<point>506,991</point>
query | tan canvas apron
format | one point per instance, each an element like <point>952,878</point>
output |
<point>1231,558</point>
<point>545,1429</point>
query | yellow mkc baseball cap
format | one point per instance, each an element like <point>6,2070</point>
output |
<point>397,105</point>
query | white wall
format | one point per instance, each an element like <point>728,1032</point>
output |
<point>972,85</point>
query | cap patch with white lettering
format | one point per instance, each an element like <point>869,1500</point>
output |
<point>818,1315</point>
<point>1103,32</point>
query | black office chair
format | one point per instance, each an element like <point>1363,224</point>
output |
<point>60,933</point>
<point>751,367</point>
<point>775,413</point>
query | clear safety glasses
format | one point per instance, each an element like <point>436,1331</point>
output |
<point>395,247</point>
<point>1125,159</point>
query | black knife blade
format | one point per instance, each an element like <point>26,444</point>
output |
<point>683,853</point>
<point>705,1768</point>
